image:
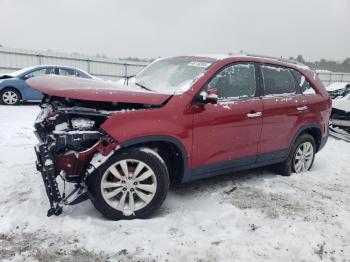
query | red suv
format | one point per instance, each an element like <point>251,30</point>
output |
<point>179,119</point>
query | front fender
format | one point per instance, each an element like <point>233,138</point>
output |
<point>127,125</point>
<point>161,122</point>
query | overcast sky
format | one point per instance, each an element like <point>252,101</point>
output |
<point>153,28</point>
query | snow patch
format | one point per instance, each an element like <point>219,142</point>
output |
<point>45,111</point>
<point>249,216</point>
<point>61,127</point>
<point>342,103</point>
<point>336,86</point>
<point>48,162</point>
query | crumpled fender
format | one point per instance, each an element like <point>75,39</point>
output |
<point>163,122</point>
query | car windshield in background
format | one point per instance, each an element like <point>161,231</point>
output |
<point>171,75</point>
<point>20,72</point>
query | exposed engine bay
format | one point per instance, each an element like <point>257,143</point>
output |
<point>72,145</point>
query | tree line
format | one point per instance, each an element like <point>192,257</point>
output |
<point>323,64</point>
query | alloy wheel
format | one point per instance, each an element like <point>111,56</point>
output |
<point>128,185</point>
<point>303,157</point>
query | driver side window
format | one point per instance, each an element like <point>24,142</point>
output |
<point>42,71</point>
<point>235,82</point>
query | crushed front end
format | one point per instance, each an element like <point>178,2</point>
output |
<point>71,146</point>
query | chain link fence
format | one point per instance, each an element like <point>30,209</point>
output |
<point>328,78</point>
<point>105,68</point>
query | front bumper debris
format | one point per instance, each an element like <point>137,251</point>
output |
<point>45,165</point>
<point>71,166</point>
<point>70,142</point>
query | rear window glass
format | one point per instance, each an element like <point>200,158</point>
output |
<point>277,80</point>
<point>68,72</point>
<point>305,86</point>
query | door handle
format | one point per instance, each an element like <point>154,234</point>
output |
<point>254,114</point>
<point>302,108</point>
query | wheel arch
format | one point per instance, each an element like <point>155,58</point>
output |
<point>170,149</point>
<point>314,130</point>
<point>14,88</point>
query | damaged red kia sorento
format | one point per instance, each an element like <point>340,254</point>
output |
<point>179,119</point>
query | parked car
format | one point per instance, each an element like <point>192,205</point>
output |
<point>180,119</point>
<point>338,89</point>
<point>340,118</point>
<point>14,89</point>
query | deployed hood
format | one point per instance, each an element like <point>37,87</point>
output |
<point>94,90</point>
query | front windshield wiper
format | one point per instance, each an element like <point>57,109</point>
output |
<point>142,86</point>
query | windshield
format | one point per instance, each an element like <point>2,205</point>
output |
<point>171,75</point>
<point>20,72</point>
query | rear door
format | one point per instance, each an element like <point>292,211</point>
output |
<point>317,109</point>
<point>31,93</point>
<point>284,109</point>
<point>229,130</point>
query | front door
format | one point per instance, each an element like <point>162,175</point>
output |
<point>228,133</point>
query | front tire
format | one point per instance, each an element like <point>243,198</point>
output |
<point>131,184</point>
<point>10,96</point>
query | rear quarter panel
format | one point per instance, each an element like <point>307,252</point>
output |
<point>319,104</point>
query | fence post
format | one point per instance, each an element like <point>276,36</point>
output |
<point>39,56</point>
<point>126,70</point>
<point>88,66</point>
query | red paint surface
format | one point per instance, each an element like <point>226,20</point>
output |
<point>215,133</point>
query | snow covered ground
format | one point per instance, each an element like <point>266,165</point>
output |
<point>249,216</point>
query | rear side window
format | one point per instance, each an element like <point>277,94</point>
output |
<point>303,83</point>
<point>236,81</point>
<point>68,72</point>
<point>277,80</point>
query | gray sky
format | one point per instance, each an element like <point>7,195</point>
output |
<point>315,28</point>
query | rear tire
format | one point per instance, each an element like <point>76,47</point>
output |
<point>301,156</point>
<point>131,184</point>
<point>10,96</point>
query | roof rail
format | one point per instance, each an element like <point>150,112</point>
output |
<point>276,58</point>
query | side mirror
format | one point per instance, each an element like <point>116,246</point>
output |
<point>25,77</point>
<point>211,96</point>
